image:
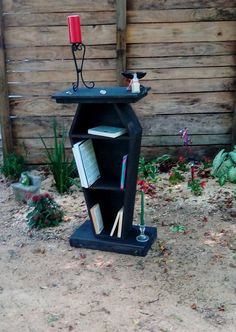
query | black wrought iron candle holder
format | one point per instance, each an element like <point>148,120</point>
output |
<point>79,71</point>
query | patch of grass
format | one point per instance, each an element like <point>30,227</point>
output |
<point>13,166</point>
<point>62,169</point>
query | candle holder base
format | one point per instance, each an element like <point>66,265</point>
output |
<point>142,237</point>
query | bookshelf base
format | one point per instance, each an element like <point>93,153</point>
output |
<point>84,237</point>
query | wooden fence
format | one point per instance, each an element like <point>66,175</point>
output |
<point>187,49</point>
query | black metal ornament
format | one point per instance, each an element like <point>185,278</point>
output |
<point>79,71</point>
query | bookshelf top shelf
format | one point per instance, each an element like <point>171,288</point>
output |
<point>99,95</point>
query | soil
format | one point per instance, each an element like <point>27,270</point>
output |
<point>185,283</point>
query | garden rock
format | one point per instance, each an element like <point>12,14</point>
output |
<point>25,192</point>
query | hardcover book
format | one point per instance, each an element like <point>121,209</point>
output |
<point>97,218</point>
<point>107,131</point>
<point>86,162</point>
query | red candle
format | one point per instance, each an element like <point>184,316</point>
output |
<point>74,29</point>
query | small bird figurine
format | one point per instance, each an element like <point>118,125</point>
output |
<point>131,76</point>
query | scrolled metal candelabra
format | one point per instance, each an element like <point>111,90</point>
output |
<point>79,71</point>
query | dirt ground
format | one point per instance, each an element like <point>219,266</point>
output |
<point>186,283</point>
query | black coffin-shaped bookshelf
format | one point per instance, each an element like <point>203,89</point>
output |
<point>109,107</point>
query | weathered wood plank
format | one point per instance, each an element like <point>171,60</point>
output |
<point>181,49</point>
<point>195,139</point>
<point>5,124</point>
<point>63,65</point>
<point>120,40</point>
<point>182,15</point>
<point>178,73</point>
<point>110,75</point>
<point>58,53</point>
<point>34,127</point>
<point>132,63</point>
<point>45,89</point>
<point>191,85</point>
<point>49,36</point>
<point>177,62</point>
<point>36,156</point>
<point>61,76</point>
<point>45,6</point>
<point>36,143</point>
<point>178,4</point>
<point>40,107</point>
<point>215,102</point>
<point>157,86</point>
<point>233,138</point>
<point>197,152</point>
<point>196,124</point>
<point>181,32</point>
<point>133,50</point>
<point>136,16</point>
<point>147,141</point>
<point>105,34</point>
<point>52,19</point>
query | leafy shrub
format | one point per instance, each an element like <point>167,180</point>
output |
<point>147,169</point>
<point>224,166</point>
<point>45,213</point>
<point>62,169</point>
<point>196,186</point>
<point>175,177</point>
<point>182,164</point>
<point>13,166</point>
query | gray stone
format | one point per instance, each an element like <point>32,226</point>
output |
<point>24,193</point>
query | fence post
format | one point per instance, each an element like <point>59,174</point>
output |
<point>234,124</point>
<point>120,40</point>
<point>5,122</point>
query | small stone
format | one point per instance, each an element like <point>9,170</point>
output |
<point>232,212</point>
<point>39,251</point>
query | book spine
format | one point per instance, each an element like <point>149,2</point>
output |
<point>123,171</point>
<point>97,218</point>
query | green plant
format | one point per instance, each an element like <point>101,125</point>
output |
<point>177,228</point>
<point>224,166</point>
<point>45,213</point>
<point>207,163</point>
<point>165,163</point>
<point>182,164</point>
<point>13,166</point>
<point>196,186</point>
<point>147,170</point>
<point>60,166</point>
<point>175,177</point>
